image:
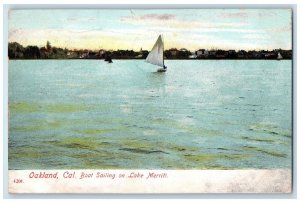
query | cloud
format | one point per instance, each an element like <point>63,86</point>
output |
<point>172,21</point>
<point>82,31</point>
<point>149,17</point>
<point>256,36</point>
<point>233,15</point>
<point>243,13</point>
<point>286,28</point>
<point>177,24</point>
<point>81,19</point>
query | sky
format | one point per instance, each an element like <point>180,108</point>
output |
<point>94,29</point>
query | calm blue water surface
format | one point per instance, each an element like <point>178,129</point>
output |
<point>87,114</point>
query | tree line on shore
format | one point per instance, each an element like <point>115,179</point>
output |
<point>17,51</point>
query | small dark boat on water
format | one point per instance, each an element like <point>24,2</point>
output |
<point>108,59</point>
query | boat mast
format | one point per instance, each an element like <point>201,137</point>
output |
<point>163,50</point>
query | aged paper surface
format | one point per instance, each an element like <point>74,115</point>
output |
<point>150,181</point>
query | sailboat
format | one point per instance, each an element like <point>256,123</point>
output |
<point>279,57</point>
<point>156,55</point>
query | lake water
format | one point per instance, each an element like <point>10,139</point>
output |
<point>200,114</point>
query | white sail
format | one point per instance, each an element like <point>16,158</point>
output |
<point>156,55</point>
<point>279,56</point>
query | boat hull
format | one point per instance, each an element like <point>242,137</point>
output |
<point>161,70</point>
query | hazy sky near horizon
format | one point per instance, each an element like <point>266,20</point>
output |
<point>139,28</point>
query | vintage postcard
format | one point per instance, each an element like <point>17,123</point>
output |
<point>150,100</point>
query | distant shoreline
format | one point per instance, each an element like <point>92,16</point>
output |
<point>17,51</point>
